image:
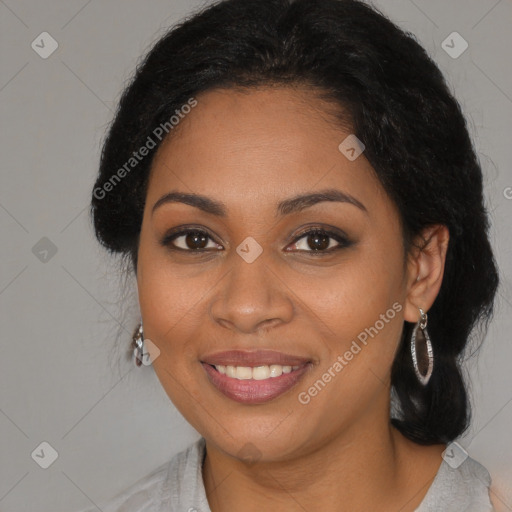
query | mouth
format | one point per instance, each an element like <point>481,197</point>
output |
<point>254,377</point>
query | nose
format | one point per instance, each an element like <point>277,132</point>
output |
<point>251,297</point>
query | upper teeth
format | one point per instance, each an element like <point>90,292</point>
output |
<point>256,373</point>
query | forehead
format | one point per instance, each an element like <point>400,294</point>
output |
<point>259,146</point>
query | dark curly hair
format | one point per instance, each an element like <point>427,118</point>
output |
<point>397,102</point>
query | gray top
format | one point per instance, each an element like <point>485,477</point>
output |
<point>177,486</point>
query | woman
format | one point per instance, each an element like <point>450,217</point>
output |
<point>296,190</point>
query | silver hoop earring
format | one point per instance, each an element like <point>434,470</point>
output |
<point>424,364</point>
<point>138,343</point>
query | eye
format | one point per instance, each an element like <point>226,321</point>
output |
<point>190,240</point>
<point>318,241</point>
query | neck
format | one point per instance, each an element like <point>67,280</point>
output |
<point>372,467</point>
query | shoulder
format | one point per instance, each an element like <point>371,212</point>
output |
<point>166,488</point>
<point>184,488</point>
<point>456,487</point>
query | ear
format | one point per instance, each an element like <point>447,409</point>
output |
<point>425,270</point>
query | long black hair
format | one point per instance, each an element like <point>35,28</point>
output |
<point>396,101</point>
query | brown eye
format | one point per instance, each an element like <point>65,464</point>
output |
<point>315,241</point>
<point>189,240</point>
<point>196,240</point>
<point>320,241</point>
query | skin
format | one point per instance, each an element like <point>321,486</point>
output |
<point>251,150</point>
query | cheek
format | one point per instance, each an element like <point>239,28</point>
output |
<point>170,308</point>
<point>170,311</point>
<point>361,304</point>
<point>350,296</point>
<point>169,303</point>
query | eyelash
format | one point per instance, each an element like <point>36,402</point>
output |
<point>342,240</point>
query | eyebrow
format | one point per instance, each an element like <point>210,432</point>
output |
<point>286,207</point>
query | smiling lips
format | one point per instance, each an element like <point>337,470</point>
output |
<point>254,377</point>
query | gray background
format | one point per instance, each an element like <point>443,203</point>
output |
<point>64,381</point>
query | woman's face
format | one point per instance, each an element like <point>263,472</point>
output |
<point>252,281</point>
